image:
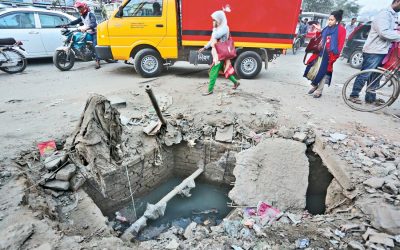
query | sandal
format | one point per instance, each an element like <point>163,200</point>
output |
<point>208,93</point>
<point>236,85</point>
<point>97,66</point>
<point>312,90</point>
<point>317,95</point>
<point>355,100</point>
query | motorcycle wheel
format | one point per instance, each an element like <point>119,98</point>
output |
<point>15,55</point>
<point>61,61</point>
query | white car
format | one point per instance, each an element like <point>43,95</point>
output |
<point>35,27</point>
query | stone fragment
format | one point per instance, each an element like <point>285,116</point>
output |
<point>335,137</point>
<point>276,171</point>
<point>381,238</point>
<point>117,101</point>
<point>374,182</point>
<point>77,181</point>
<point>286,133</point>
<point>300,136</point>
<point>45,246</point>
<point>172,245</point>
<point>224,134</point>
<point>66,172</point>
<point>53,161</point>
<point>390,188</point>
<point>356,245</point>
<point>384,217</point>
<point>189,230</point>
<point>57,185</point>
<point>16,236</point>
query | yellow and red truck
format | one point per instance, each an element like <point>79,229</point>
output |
<point>154,34</point>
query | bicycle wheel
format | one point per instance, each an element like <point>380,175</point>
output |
<point>296,46</point>
<point>377,83</point>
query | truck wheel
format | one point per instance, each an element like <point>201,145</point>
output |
<point>148,63</point>
<point>248,65</point>
<point>356,59</point>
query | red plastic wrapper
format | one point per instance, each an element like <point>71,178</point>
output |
<point>47,148</point>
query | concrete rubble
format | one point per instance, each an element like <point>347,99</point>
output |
<point>270,169</point>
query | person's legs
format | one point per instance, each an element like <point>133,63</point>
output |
<point>213,76</point>
<point>97,58</point>
<point>321,85</point>
<point>370,61</point>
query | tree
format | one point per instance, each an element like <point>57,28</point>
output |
<point>350,7</point>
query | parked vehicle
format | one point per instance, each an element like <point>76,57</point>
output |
<point>35,27</point>
<point>150,42</point>
<point>77,45</point>
<point>321,18</point>
<point>355,42</point>
<point>12,56</point>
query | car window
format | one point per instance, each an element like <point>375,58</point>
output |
<point>52,21</point>
<point>142,8</point>
<point>19,20</point>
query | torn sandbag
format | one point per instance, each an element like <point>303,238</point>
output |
<point>97,138</point>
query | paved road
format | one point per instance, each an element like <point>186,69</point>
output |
<point>44,103</point>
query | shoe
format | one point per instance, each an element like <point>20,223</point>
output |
<point>312,90</point>
<point>236,85</point>
<point>207,93</point>
<point>97,66</point>
<point>317,94</point>
<point>377,102</point>
<point>355,100</point>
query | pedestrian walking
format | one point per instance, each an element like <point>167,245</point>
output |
<point>220,34</point>
<point>320,65</point>
<point>383,33</point>
<point>350,27</point>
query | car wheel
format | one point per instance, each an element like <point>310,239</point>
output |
<point>356,59</point>
<point>248,64</point>
<point>148,63</point>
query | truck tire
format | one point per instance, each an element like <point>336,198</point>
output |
<point>356,59</point>
<point>148,63</point>
<point>248,65</point>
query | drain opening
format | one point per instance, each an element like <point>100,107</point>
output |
<point>207,205</point>
<point>319,179</point>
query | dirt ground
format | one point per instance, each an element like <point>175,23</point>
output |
<point>43,103</point>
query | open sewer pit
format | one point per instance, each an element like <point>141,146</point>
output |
<point>160,169</point>
<point>122,164</point>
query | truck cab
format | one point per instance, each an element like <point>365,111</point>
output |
<point>154,34</point>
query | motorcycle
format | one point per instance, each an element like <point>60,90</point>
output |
<point>12,56</point>
<point>77,45</point>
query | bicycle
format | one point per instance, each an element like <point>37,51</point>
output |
<point>383,82</point>
<point>297,43</point>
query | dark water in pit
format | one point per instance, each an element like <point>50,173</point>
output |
<point>208,202</point>
<point>319,179</point>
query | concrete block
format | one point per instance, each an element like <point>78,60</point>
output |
<point>57,185</point>
<point>66,173</point>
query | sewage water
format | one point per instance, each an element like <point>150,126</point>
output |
<point>207,202</point>
<point>319,179</point>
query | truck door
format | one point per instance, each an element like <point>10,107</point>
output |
<point>140,20</point>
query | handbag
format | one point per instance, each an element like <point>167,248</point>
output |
<point>226,50</point>
<point>312,73</point>
<point>314,46</point>
<point>391,60</point>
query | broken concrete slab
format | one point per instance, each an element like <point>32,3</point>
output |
<point>189,230</point>
<point>57,185</point>
<point>224,134</point>
<point>52,162</point>
<point>276,171</point>
<point>66,173</point>
<point>381,238</point>
<point>356,245</point>
<point>153,128</point>
<point>117,101</point>
<point>300,136</point>
<point>374,182</point>
<point>16,236</point>
<point>384,217</point>
<point>286,133</point>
